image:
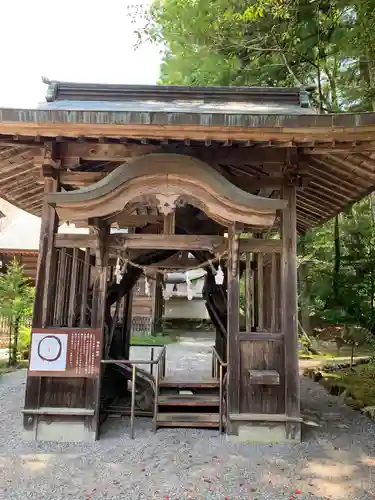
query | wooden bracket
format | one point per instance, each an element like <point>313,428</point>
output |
<point>234,248</point>
<point>101,231</point>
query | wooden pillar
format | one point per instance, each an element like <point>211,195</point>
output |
<point>289,309</point>
<point>260,291</point>
<point>85,288</point>
<point>44,288</point>
<point>273,292</point>
<point>233,326</point>
<point>169,223</point>
<point>100,273</point>
<point>98,314</point>
<point>46,274</point>
<point>157,303</point>
<point>127,325</point>
<point>248,294</point>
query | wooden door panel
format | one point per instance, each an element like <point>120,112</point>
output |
<point>259,354</point>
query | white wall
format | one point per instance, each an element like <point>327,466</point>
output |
<point>185,309</point>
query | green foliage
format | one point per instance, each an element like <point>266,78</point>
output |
<point>16,302</point>
<point>24,340</point>
<point>154,339</point>
<point>353,300</point>
<point>327,43</point>
<point>358,383</point>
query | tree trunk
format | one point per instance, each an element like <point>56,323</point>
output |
<point>304,292</point>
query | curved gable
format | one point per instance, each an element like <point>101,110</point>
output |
<point>168,179</point>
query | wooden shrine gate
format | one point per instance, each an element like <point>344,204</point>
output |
<point>78,298</point>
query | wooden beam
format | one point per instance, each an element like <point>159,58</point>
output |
<point>289,129</point>
<point>177,263</point>
<point>124,219</point>
<point>81,179</point>
<point>352,167</point>
<point>145,241</point>
<point>17,172</point>
<point>319,168</point>
<point>337,148</point>
<point>256,245</point>
<point>105,152</point>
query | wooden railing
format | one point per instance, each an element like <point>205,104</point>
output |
<point>159,364</point>
<point>152,357</point>
<point>218,366</point>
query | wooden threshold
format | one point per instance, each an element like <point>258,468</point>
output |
<point>188,400</point>
<point>78,412</point>
<point>263,417</point>
<point>189,384</point>
<point>188,420</point>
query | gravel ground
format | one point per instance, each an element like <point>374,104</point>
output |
<point>336,459</point>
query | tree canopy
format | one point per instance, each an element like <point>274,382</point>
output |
<point>329,44</point>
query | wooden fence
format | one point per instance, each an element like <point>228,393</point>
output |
<point>5,330</point>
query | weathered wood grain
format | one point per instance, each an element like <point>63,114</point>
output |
<point>289,302</point>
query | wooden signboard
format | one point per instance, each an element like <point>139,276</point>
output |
<point>65,352</point>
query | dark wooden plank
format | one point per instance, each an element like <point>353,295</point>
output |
<point>186,400</point>
<point>75,241</point>
<point>61,286</point>
<point>260,290</point>
<point>263,355</point>
<point>264,377</point>
<point>85,287</point>
<point>73,287</point>
<point>289,302</point>
<point>263,417</point>
<point>268,336</point>
<point>194,418</point>
<point>248,301</point>
<point>273,292</point>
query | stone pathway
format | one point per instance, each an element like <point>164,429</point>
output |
<point>188,359</point>
<point>336,459</point>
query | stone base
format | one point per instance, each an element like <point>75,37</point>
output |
<point>63,431</point>
<point>264,432</point>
